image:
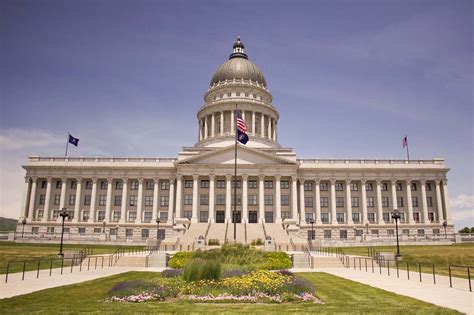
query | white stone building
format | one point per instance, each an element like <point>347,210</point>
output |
<point>277,193</point>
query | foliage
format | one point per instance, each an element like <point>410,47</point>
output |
<point>202,269</point>
<point>276,260</point>
<point>180,259</point>
<point>7,225</point>
<point>171,273</point>
<point>467,230</point>
<point>213,242</point>
<point>257,242</point>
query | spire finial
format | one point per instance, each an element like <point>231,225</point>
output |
<point>238,49</point>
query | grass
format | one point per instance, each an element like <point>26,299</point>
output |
<point>339,296</point>
<point>439,255</point>
<point>19,252</point>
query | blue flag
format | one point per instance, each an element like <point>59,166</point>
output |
<point>73,141</point>
<point>242,136</point>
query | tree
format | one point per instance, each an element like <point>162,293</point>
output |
<point>467,230</point>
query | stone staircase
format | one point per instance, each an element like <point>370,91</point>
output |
<point>131,261</point>
<point>301,260</point>
<point>240,233</point>
<point>190,235</point>
<point>217,232</point>
<point>254,231</point>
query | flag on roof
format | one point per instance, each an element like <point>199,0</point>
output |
<point>242,136</point>
<point>405,141</point>
<point>73,141</point>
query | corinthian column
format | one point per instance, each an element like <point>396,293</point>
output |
<point>364,201</point>
<point>195,199</point>
<point>171,201</point>
<point>212,198</point>
<point>294,198</point>
<point>47,204</point>
<point>424,204</point>
<point>244,198</point>
<point>77,204</point>
<point>31,210</point>
<point>349,202</point>
<point>317,201</point>
<point>62,201</point>
<point>447,207</point>
<point>213,125</point>
<point>179,196</point>
<point>92,211</point>
<point>24,202</point>
<point>108,205</point>
<point>333,202</point>
<point>409,202</point>
<point>123,206</point>
<point>278,198</point>
<point>379,202</point>
<point>302,205</point>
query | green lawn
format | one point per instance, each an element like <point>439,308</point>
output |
<point>441,256</point>
<point>18,252</point>
<point>339,296</point>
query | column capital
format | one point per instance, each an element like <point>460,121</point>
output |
<point>422,181</point>
<point>228,177</point>
<point>332,181</point>
<point>110,180</point>
<point>34,179</point>
<point>140,180</point>
<point>278,177</point>
<point>378,181</point>
<point>363,181</point>
<point>212,177</point>
<point>348,181</point>
<point>393,181</point>
<point>94,180</point>
<point>64,179</point>
<point>302,180</point>
<point>124,179</point>
<point>294,178</point>
<point>195,177</point>
<point>261,177</point>
<point>178,177</point>
<point>156,180</point>
<point>27,179</point>
<point>49,179</point>
<point>317,182</point>
<point>78,179</point>
<point>445,181</point>
<point>245,177</point>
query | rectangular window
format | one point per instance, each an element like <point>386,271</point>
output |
<point>134,185</point>
<point>203,216</point>
<point>308,202</point>
<point>428,186</point>
<point>268,184</point>
<point>236,183</point>
<point>97,230</point>
<point>88,184</point>
<point>324,202</point>
<point>149,185</point>
<point>308,186</point>
<point>73,184</point>
<point>340,217</point>
<point>101,215</point>
<point>187,214</point>
<point>400,202</point>
<point>343,234</point>
<point>40,214</point>
<point>205,184</point>
<point>129,233</point>
<point>133,201</point>
<point>57,198</point>
<point>58,184</point>
<point>72,200</point>
<point>81,231</point>
<point>414,202</point>
<point>102,200</point>
<point>374,232</point>
<point>327,234</point>
<point>308,216</point>
<point>43,184</point>
<point>355,202</point>
<point>204,200</point>
<point>323,186</point>
<point>221,184</point>
<point>220,200</point>
<point>370,202</point>
<point>413,187</point>
<point>421,232</point>
<point>147,216</point>
<point>87,200</point>
<point>148,201</point>
<point>132,216</point>
<point>385,202</point>
<point>239,199</point>
<point>371,217</point>
<point>252,200</point>
<point>354,187</point>
<point>42,199</point>
<point>50,230</point>
<point>103,184</point>
<point>164,201</point>
<point>165,185</point>
<point>118,201</point>
<point>285,200</point>
<point>416,216</point>
<point>431,216</point>
<point>399,187</point>
<point>356,217</point>
<point>390,232</point>
<point>285,214</point>
<point>188,183</point>
<point>252,184</point>
<point>429,201</point>
<point>188,199</point>
<point>268,200</point>
<point>339,186</point>
<point>369,187</point>
<point>284,184</point>
<point>116,216</point>
<point>436,232</point>
<point>164,216</point>
<point>324,217</point>
<point>406,232</point>
<point>384,187</point>
<point>85,215</point>
<point>118,185</point>
<point>339,202</point>
<point>386,217</point>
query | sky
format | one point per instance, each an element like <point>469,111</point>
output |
<point>349,78</point>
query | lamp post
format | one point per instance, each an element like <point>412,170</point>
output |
<point>313,236</point>
<point>103,226</point>
<point>23,223</point>
<point>445,225</point>
<point>158,221</point>
<point>396,217</point>
<point>63,214</point>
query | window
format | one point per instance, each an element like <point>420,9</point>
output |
<point>42,199</point>
<point>164,201</point>
<point>40,214</point>
<point>103,184</point>
<point>340,217</point>
<point>406,232</point>
<point>221,184</point>
<point>355,202</point>
<point>97,230</point>
<point>204,200</point>
<point>148,201</point>
<point>85,215</point>
<point>390,232</point>
<point>203,216</point>
<point>308,202</point>
<point>268,200</point>
<point>101,215</point>
<point>374,232</point>
<point>429,201</point>
<point>356,217</point>
<point>188,183</point>
<point>413,187</point>
<point>119,184</point>
<point>67,230</point>
<point>386,217</point>
<point>81,231</point>
<point>118,201</point>
<point>220,200</point>
<point>163,216</point>
<point>236,183</point>
<point>431,216</point>
<point>308,216</point>
<point>43,184</point>
<point>129,233</point>
<point>116,216</point>
<point>323,186</point>
<point>400,202</point>
<point>252,184</point>
<point>354,187</point>
<point>134,185</point>
<point>188,199</point>
<point>428,186</point>
<point>284,184</point>
<point>50,230</point>
<point>165,185</point>
<point>385,202</point>
<point>399,187</point>
<point>133,200</point>
<point>414,202</point>
<point>327,234</point>
<point>149,185</point>
<point>147,216</point>
<point>205,183</point>
<point>384,187</point>
<point>132,216</point>
<point>308,186</point>
<point>57,198</point>
<point>239,200</point>
<point>285,215</point>
<point>369,187</point>
<point>88,184</point>
<point>402,216</point>
<point>416,216</point>
<point>436,232</point>
<point>285,200</point>
<point>371,217</point>
<point>339,186</point>
<point>421,232</point>
<point>339,202</point>
<point>187,214</point>
<point>324,217</point>
<point>370,202</point>
<point>343,234</point>
<point>324,202</point>
<point>252,200</point>
<point>72,200</point>
<point>102,200</point>
<point>268,184</point>
<point>73,184</point>
<point>87,200</point>
<point>58,184</point>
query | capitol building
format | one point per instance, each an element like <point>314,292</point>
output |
<point>279,196</point>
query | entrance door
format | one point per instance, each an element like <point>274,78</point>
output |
<point>238,217</point>
<point>220,216</point>
<point>252,216</point>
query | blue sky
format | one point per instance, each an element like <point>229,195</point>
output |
<point>349,78</point>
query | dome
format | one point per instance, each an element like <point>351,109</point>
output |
<point>238,67</point>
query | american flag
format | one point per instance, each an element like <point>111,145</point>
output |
<point>405,141</point>
<point>241,125</point>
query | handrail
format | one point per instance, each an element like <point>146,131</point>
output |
<point>207,231</point>
<point>264,230</point>
<point>225,235</point>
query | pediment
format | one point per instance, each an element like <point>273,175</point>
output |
<point>245,156</point>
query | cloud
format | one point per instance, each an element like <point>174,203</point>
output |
<point>463,209</point>
<point>19,139</point>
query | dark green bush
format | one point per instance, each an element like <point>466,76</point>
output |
<point>213,242</point>
<point>257,242</point>
<point>202,269</point>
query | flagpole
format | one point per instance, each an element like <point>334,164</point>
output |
<point>408,152</point>
<point>235,175</point>
<point>67,143</point>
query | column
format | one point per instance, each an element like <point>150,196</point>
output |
<point>274,130</point>
<point>333,202</point>
<point>206,128</point>
<point>228,204</point>
<point>140,200</point>
<point>171,200</point>
<point>47,203</point>
<point>262,127</point>
<point>278,198</point>
<point>424,204</point>
<point>294,198</point>
<point>261,198</point>
<point>92,215</point>
<point>77,203</point>
<point>317,201</point>
<point>213,125</point>
<point>123,206</point>
<point>349,202</point>
<point>232,122</point>
<point>447,207</point>
<point>31,210</point>
<point>244,198</point>
<point>253,124</point>
<point>393,186</point>
<point>409,202</point>
<point>156,183</point>
<point>179,196</point>
<point>200,130</point>
<point>195,199</point>
<point>62,201</point>
<point>439,201</point>
<point>302,207</point>
<point>24,202</point>
<point>364,201</point>
<point>380,220</point>
<point>212,198</point>
<point>269,135</point>
<point>222,123</point>
<point>108,205</point>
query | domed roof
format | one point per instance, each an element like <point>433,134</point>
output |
<point>238,67</point>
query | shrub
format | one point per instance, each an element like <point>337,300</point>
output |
<point>299,286</point>
<point>257,242</point>
<point>171,273</point>
<point>276,260</point>
<point>179,259</point>
<point>213,242</point>
<point>202,269</point>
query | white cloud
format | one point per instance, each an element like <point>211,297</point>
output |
<point>18,139</point>
<point>462,207</point>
